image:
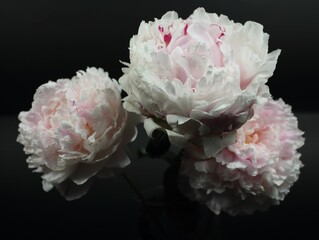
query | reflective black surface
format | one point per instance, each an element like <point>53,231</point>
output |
<point>111,210</point>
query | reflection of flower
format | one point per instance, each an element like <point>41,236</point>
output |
<point>259,168</point>
<point>75,129</point>
<point>197,78</point>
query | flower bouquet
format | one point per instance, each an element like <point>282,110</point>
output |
<point>198,83</point>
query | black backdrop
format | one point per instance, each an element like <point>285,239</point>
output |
<point>45,40</point>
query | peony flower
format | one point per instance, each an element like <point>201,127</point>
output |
<point>75,129</point>
<point>197,78</point>
<point>255,172</point>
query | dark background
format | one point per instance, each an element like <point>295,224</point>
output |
<point>111,210</point>
<point>45,40</point>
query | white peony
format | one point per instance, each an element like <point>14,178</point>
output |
<point>75,129</point>
<point>197,78</point>
<point>255,172</point>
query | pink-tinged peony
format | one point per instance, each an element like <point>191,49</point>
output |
<point>255,172</point>
<point>76,129</point>
<point>197,78</point>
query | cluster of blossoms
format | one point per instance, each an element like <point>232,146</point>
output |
<point>202,80</point>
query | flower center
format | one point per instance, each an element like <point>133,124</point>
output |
<point>252,138</point>
<point>167,37</point>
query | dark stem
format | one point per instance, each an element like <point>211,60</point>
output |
<point>132,185</point>
<point>141,197</point>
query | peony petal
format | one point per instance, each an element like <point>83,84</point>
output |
<point>236,165</point>
<point>214,144</point>
<point>84,172</point>
<point>71,191</point>
<point>119,159</point>
<point>174,138</point>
